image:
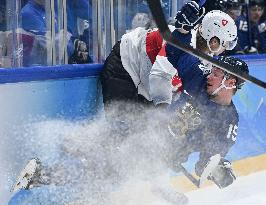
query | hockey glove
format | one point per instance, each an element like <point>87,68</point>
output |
<point>80,54</point>
<point>190,15</point>
<point>223,174</point>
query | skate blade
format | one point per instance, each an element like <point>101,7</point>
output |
<point>26,175</point>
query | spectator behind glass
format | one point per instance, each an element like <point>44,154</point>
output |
<point>253,39</point>
<point>33,18</point>
<point>140,15</point>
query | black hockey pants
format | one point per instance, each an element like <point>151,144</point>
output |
<point>122,104</point>
<point>116,82</point>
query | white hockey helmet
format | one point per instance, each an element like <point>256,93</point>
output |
<point>219,24</point>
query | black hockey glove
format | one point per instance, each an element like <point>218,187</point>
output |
<point>223,174</point>
<point>190,15</point>
<point>80,54</point>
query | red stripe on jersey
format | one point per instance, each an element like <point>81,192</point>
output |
<point>162,51</point>
<point>154,43</point>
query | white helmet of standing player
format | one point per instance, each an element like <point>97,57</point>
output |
<point>219,24</point>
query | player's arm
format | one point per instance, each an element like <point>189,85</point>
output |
<point>164,72</point>
<point>186,19</point>
<point>160,79</point>
<point>189,16</point>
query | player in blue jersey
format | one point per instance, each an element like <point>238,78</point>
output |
<point>253,39</point>
<point>33,21</point>
<point>211,90</point>
<point>216,33</point>
<point>208,123</point>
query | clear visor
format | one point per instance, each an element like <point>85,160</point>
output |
<point>229,45</point>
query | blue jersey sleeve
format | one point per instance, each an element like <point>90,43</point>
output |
<point>174,54</point>
<point>189,67</point>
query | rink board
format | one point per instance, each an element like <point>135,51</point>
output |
<point>73,92</point>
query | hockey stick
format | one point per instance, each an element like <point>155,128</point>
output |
<point>158,15</point>
<point>191,178</point>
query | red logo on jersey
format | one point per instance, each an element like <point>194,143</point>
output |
<point>224,22</point>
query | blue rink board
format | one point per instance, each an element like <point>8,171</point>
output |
<point>250,103</point>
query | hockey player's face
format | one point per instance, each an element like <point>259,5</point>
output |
<point>214,79</point>
<point>215,46</point>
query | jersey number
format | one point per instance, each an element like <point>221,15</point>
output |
<point>232,132</point>
<point>243,26</point>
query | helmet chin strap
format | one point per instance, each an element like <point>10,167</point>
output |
<point>222,86</point>
<point>218,50</point>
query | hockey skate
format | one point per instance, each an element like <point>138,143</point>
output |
<point>30,176</point>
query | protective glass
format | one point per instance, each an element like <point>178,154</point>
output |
<point>230,45</point>
<point>236,11</point>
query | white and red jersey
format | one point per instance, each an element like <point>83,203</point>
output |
<point>142,51</point>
